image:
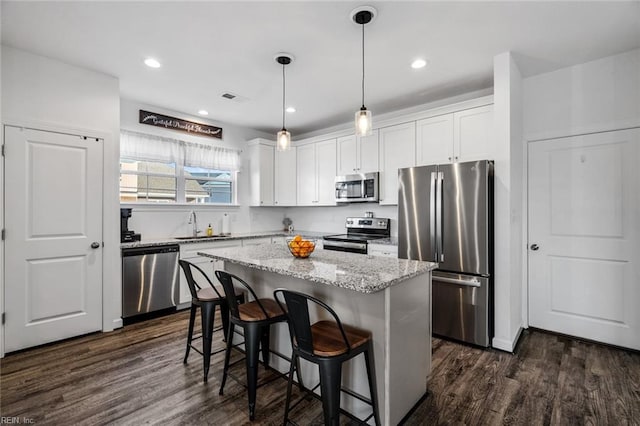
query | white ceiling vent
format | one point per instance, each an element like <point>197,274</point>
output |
<point>233,97</point>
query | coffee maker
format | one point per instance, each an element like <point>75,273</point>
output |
<point>127,236</point>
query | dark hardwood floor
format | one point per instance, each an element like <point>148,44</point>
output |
<point>135,375</point>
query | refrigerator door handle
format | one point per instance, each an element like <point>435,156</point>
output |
<point>440,239</point>
<point>432,216</point>
<point>473,282</point>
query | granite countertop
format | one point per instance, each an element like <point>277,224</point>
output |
<point>358,272</point>
<point>154,242</point>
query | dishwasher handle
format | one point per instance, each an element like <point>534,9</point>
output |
<point>141,251</point>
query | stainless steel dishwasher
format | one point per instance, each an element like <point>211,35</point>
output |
<point>149,279</point>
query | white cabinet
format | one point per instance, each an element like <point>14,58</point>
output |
<point>451,138</point>
<point>473,134</point>
<point>357,154</point>
<point>434,140</point>
<point>384,250</point>
<point>190,251</point>
<point>261,172</point>
<point>316,172</point>
<point>397,150</point>
<point>285,176</point>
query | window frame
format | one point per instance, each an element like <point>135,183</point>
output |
<point>181,180</point>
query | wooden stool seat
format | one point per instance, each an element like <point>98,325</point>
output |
<point>207,294</point>
<point>252,311</point>
<point>328,341</point>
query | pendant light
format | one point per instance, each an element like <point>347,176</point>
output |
<point>363,121</point>
<point>283,139</point>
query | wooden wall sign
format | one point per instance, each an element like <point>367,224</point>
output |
<point>159,120</point>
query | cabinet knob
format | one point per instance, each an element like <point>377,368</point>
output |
<point>456,158</point>
<point>449,158</point>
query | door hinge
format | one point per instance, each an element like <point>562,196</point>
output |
<point>3,150</point>
<point>3,318</point>
<point>2,234</point>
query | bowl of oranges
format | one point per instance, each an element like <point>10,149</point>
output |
<point>299,247</point>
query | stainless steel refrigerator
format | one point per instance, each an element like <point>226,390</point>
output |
<point>445,215</point>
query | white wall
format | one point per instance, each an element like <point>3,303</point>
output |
<point>596,96</point>
<point>507,113</point>
<point>332,219</point>
<point>161,221</point>
<point>46,94</point>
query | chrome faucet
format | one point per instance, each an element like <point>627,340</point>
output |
<point>194,220</point>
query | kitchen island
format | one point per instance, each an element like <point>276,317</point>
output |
<point>389,297</point>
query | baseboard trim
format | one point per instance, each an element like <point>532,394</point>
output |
<point>506,344</point>
<point>117,323</point>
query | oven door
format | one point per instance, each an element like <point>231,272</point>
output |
<point>348,246</point>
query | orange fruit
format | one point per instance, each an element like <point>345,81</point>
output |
<point>297,238</point>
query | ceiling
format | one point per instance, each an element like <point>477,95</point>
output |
<point>207,48</point>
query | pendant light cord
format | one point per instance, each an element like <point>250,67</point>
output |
<point>283,95</point>
<point>362,65</point>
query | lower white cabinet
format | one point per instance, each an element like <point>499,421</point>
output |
<point>385,250</point>
<point>190,251</point>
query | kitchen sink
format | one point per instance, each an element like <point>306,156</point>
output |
<point>202,237</point>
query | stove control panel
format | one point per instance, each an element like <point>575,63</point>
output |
<point>367,223</point>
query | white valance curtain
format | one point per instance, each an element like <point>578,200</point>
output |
<point>156,148</point>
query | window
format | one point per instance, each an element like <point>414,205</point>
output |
<point>147,181</point>
<point>207,185</point>
<point>161,170</point>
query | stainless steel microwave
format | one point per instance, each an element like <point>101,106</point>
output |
<point>358,188</point>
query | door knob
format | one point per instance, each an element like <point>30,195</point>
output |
<point>534,247</point>
<point>95,245</point>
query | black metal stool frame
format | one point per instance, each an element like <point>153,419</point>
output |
<point>207,315</point>
<point>256,338</point>
<point>330,366</point>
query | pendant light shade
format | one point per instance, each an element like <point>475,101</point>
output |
<point>363,120</point>
<point>283,138</point>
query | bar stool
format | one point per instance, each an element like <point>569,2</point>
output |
<point>327,344</point>
<point>207,298</point>
<point>255,318</point>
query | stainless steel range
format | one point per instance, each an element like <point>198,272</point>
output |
<point>359,231</point>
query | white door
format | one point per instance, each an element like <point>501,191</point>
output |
<point>53,222</point>
<point>584,236</point>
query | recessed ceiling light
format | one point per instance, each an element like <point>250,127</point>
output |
<point>152,63</point>
<point>418,63</point>
<point>290,109</point>
<point>203,112</point>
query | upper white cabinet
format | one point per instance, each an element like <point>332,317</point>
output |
<point>460,136</point>
<point>473,134</point>
<point>397,150</point>
<point>434,140</point>
<point>316,171</point>
<point>285,177</point>
<point>261,169</point>
<point>357,154</point>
